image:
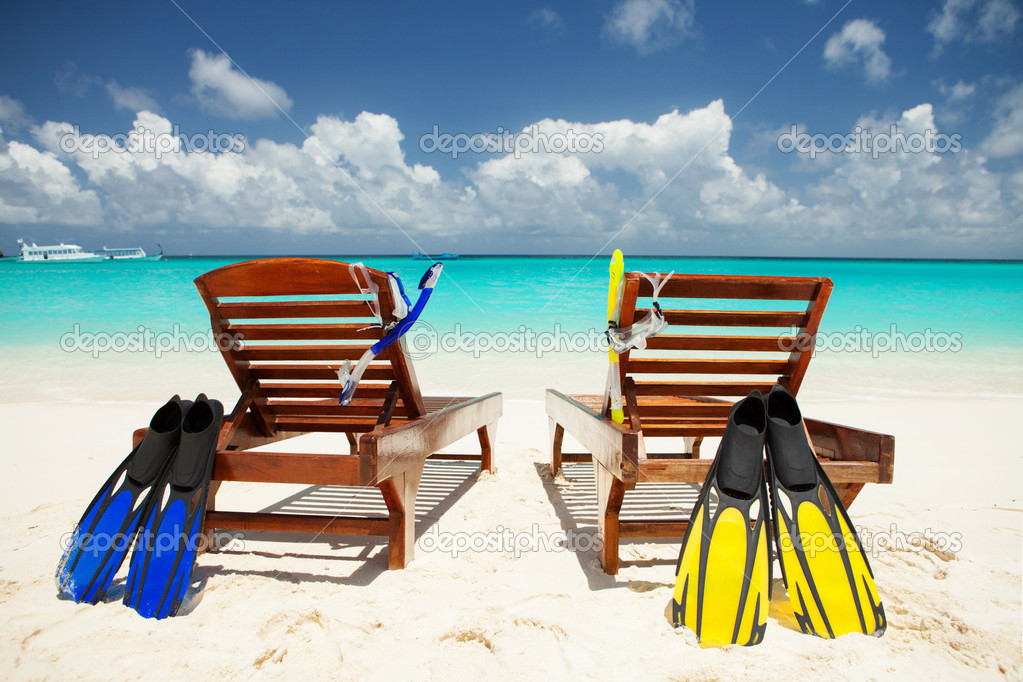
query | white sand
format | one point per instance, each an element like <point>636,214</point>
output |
<point>328,608</point>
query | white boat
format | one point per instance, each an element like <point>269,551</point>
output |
<point>61,253</point>
<point>133,253</point>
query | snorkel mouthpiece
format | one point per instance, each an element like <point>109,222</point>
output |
<point>344,375</point>
<point>431,276</point>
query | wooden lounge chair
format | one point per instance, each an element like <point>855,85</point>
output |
<point>286,368</point>
<point>694,371</point>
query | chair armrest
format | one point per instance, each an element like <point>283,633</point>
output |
<point>615,446</point>
<point>393,449</point>
<point>848,444</point>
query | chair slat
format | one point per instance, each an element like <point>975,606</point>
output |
<point>313,372</point>
<point>325,423</point>
<point>710,366</point>
<point>302,332</point>
<point>732,318</point>
<point>286,309</point>
<point>705,388</point>
<point>683,420</point>
<point>752,344</point>
<point>357,408</point>
<point>284,277</point>
<point>673,431</point>
<point>681,410</point>
<point>313,390</point>
<point>336,353</point>
<point>736,287</point>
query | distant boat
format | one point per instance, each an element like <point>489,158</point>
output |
<point>440,256</point>
<point>135,253</point>
<point>60,253</point>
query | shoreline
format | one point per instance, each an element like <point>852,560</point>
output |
<point>43,373</point>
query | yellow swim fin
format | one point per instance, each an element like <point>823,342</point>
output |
<point>830,583</point>
<point>723,577</point>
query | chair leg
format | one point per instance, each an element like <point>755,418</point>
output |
<point>610,493</point>
<point>848,492</point>
<point>353,444</point>
<point>209,534</point>
<point>488,439</point>
<point>399,493</point>
<point>557,437</point>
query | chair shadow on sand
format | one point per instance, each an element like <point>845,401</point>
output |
<point>442,486</point>
<point>575,504</point>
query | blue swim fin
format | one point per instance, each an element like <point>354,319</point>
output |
<point>100,541</point>
<point>161,564</point>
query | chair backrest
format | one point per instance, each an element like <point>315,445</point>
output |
<point>298,320</point>
<point>727,336</point>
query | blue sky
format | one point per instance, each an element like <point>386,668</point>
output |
<point>668,113</point>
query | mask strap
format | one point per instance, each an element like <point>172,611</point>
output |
<point>369,291</point>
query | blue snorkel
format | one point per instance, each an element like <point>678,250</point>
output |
<point>350,376</point>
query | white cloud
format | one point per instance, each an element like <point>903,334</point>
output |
<point>546,18</point>
<point>69,80</point>
<point>973,21</point>
<point>651,25</point>
<point>370,143</point>
<point>223,90</point>
<point>339,178</point>
<point>342,176</point>
<point>682,158</point>
<point>960,99</point>
<point>12,113</point>
<point>956,93</point>
<point>922,199</point>
<point>1006,139</point>
<point>859,42</point>
<point>351,178</point>
<point>133,99</point>
<point>998,19</point>
<point>35,187</point>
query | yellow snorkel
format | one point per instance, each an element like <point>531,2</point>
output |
<point>614,297</point>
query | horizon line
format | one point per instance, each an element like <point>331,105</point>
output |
<point>583,256</point>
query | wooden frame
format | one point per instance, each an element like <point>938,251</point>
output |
<point>690,397</point>
<point>285,366</point>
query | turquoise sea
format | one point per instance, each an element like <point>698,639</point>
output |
<point>981,301</point>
